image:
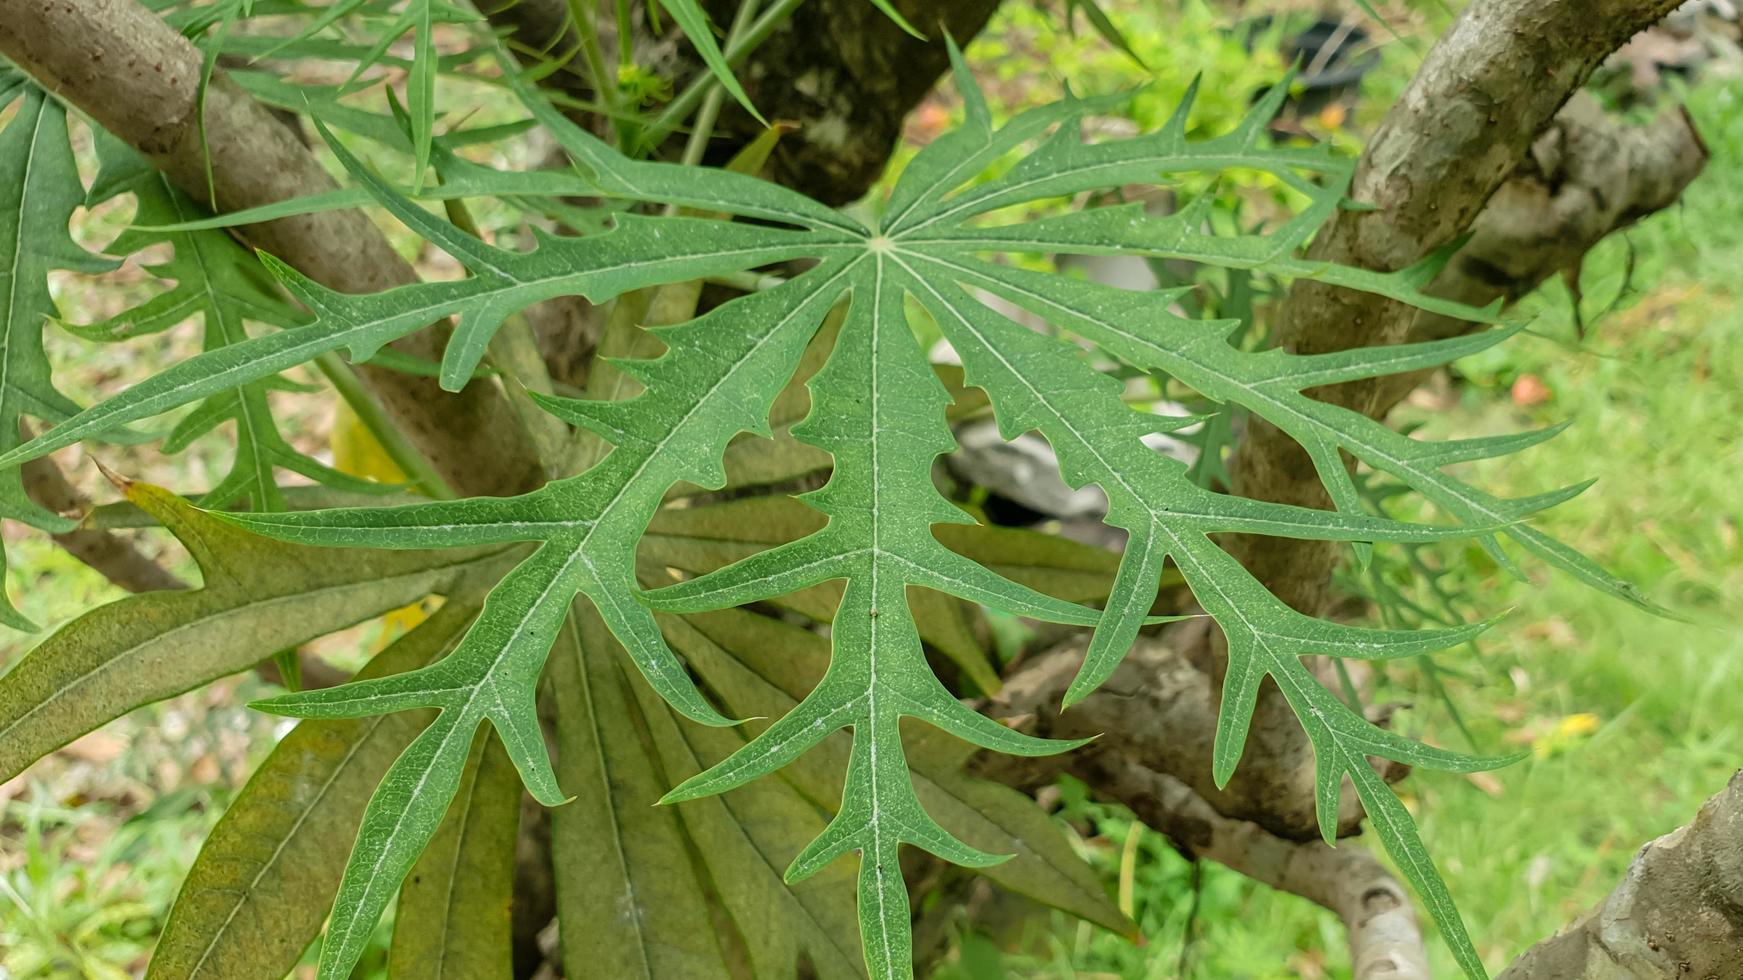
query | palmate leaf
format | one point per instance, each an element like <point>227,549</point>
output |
<point>39,191</point>
<point>877,408</point>
<point>877,411</point>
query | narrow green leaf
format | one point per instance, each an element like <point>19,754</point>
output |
<point>260,888</point>
<point>693,21</point>
<point>453,921</point>
<point>745,839</point>
<point>39,191</point>
<point>629,895</point>
<point>1105,26</point>
<point>225,285</point>
<point>148,647</point>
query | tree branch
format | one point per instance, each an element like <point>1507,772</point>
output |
<point>124,67</point>
<point>1588,175</point>
<point>1490,87</point>
<point>1677,913</point>
<point>1159,710</point>
<point>1485,92</point>
<point>846,75</point>
<point>1157,713</point>
<point>840,70</point>
<point>1385,939</point>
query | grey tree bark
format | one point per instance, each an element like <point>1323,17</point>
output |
<point>1152,725</point>
<point>1677,913</point>
<point>1486,91</point>
<point>846,75</point>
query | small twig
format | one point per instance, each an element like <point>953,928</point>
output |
<point>1385,940</point>
<point>700,132</point>
<point>595,58</point>
<point>374,419</point>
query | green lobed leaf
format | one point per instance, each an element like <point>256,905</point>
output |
<point>39,191</point>
<point>762,667</point>
<point>877,409</point>
<point>224,285</point>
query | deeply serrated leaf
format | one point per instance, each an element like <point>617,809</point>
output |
<point>225,286</point>
<point>762,667</point>
<point>878,410</point>
<point>39,191</point>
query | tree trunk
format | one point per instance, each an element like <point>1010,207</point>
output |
<point>1677,914</point>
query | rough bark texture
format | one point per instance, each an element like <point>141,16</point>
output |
<point>1490,87</point>
<point>124,67</point>
<point>1588,175</point>
<point>1485,92</point>
<point>1677,915</point>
